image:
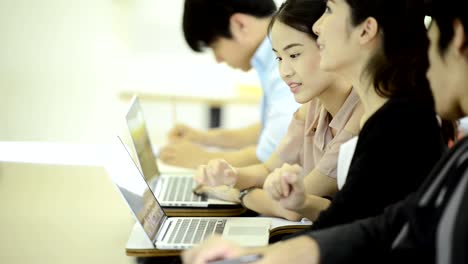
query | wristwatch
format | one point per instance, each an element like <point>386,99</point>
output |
<point>243,193</point>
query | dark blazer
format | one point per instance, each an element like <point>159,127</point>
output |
<point>409,231</point>
<point>396,149</point>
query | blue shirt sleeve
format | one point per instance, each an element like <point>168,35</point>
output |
<point>278,108</point>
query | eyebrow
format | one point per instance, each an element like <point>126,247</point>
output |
<point>289,46</point>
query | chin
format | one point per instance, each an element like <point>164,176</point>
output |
<point>300,100</point>
<point>245,68</point>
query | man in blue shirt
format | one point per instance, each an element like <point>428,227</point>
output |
<point>236,32</point>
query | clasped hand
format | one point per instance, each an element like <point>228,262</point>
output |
<point>286,185</point>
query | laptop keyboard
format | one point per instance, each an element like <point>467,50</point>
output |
<point>192,231</point>
<point>180,190</point>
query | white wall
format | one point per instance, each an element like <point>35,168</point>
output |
<point>62,64</point>
<point>58,59</point>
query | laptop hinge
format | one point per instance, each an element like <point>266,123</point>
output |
<point>161,230</point>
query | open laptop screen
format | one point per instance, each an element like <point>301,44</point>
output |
<point>138,195</point>
<point>139,134</point>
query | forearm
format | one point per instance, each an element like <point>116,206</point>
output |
<point>313,206</point>
<point>319,184</point>
<point>255,175</point>
<point>259,201</point>
<point>252,176</point>
<point>233,138</point>
<point>239,158</point>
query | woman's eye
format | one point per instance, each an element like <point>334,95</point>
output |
<point>328,9</point>
<point>293,56</point>
<point>279,58</point>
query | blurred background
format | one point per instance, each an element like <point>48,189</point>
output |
<point>63,68</point>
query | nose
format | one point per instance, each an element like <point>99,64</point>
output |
<point>286,71</point>
<point>218,58</point>
<point>316,26</point>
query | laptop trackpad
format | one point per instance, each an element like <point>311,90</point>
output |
<point>248,232</point>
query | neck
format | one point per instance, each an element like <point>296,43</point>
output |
<point>371,101</point>
<point>334,97</point>
<point>259,31</point>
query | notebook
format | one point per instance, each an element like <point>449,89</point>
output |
<point>176,232</point>
<point>172,190</point>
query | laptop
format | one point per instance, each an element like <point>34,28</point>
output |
<point>172,190</point>
<point>174,233</point>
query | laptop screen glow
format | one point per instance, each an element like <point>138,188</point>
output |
<point>139,197</point>
<point>139,134</point>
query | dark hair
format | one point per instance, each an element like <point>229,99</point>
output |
<point>444,13</point>
<point>206,20</point>
<point>399,68</point>
<point>300,15</point>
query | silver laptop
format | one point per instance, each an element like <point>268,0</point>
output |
<point>172,190</point>
<point>176,232</point>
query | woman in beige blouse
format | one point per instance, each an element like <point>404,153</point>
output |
<point>329,116</point>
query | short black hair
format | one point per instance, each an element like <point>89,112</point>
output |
<point>206,20</point>
<point>300,15</point>
<point>399,68</point>
<point>445,13</point>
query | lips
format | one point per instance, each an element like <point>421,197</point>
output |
<point>320,45</point>
<point>294,86</point>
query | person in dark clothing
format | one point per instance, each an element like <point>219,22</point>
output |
<point>400,234</point>
<point>390,80</point>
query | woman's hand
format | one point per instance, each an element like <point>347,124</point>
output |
<point>216,172</point>
<point>286,185</point>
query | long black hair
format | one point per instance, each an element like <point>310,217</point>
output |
<point>399,67</point>
<point>300,15</point>
<point>444,13</point>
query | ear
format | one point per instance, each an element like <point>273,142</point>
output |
<point>238,24</point>
<point>369,30</point>
<point>459,38</point>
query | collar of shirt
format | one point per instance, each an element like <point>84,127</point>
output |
<point>321,124</point>
<point>263,57</point>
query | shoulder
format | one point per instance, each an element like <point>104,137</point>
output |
<point>399,112</point>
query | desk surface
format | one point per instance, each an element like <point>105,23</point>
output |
<point>139,245</point>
